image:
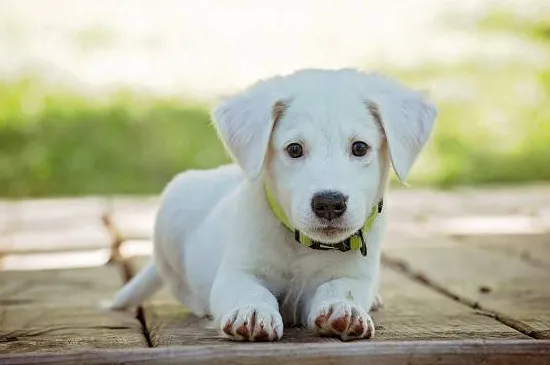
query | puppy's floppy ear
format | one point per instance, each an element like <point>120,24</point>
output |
<point>244,124</point>
<point>407,120</point>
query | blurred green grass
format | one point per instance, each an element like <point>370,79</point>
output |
<point>493,127</point>
<point>54,143</point>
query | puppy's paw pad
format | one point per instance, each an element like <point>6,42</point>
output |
<point>252,323</point>
<point>344,320</point>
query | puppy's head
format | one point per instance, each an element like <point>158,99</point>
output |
<point>323,140</point>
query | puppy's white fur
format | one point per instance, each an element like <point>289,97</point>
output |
<point>221,250</point>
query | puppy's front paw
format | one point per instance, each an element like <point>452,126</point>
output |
<point>252,323</point>
<point>345,320</point>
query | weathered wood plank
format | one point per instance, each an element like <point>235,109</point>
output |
<point>133,218</point>
<point>168,322</point>
<point>492,352</point>
<point>532,248</point>
<point>422,213</point>
<point>418,202</point>
<point>55,260</point>
<point>44,214</point>
<point>411,312</point>
<point>80,235</point>
<point>58,310</point>
<point>517,292</point>
<point>53,225</point>
<point>133,248</point>
<point>4,217</point>
<point>415,312</point>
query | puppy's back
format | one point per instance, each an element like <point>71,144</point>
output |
<point>190,196</point>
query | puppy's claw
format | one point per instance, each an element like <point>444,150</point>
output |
<point>347,321</point>
<point>377,304</point>
<point>252,323</point>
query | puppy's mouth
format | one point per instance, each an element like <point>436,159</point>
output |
<point>331,231</point>
<point>331,234</point>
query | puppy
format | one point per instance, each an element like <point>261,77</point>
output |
<point>290,233</point>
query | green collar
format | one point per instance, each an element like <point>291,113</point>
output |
<point>353,243</point>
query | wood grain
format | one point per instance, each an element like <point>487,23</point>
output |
<point>532,248</point>
<point>133,218</point>
<point>58,310</point>
<point>490,200</point>
<point>4,217</point>
<point>415,312</point>
<point>496,352</point>
<point>81,235</point>
<point>49,225</point>
<point>55,260</point>
<point>45,214</point>
<point>411,312</point>
<point>424,213</point>
<point>504,286</point>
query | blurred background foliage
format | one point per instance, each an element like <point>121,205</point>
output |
<point>494,128</point>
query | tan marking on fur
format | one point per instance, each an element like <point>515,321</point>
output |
<point>372,107</point>
<point>227,327</point>
<point>356,329</point>
<point>321,320</point>
<point>243,330</point>
<point>341,324</point>
<point>262,334</point>
<point>279,109</point>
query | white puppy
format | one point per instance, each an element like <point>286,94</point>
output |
<point>292,231</point>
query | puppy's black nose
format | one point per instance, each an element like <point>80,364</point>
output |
<point>329,204</point>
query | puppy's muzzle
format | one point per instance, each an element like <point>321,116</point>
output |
<point>329,204</point>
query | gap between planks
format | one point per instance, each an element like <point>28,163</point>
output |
<point>140,314</point>
<point>422,278</point>
<point>412,312</point>
<point>57,310</point>
<point>116,238</point>
<point>401,266</point>
<point>127,272</point>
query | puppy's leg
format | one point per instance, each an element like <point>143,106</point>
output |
<point>340,308</point>
<point>246,310</point>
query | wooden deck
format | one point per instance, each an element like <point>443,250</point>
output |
<point>466,279</point>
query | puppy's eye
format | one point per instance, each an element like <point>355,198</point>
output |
<point>359,148</point>
<point>295,150</point>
